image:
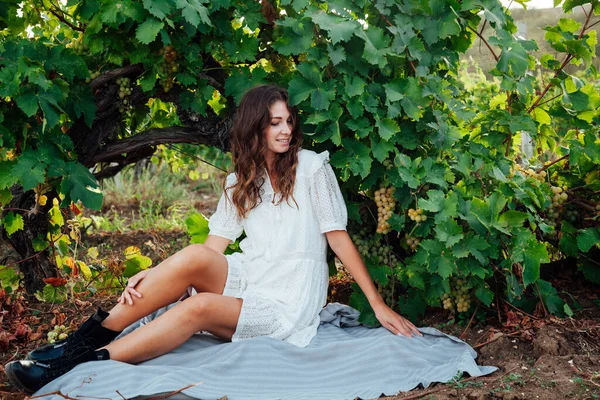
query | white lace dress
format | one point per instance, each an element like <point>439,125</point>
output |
<point>281,273</point>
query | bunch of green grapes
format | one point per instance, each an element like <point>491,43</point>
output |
<point>539,176</point>
<point>371,247</point>
<point>417,215</point>
<point>412,242</point>
<point>168,68</point>
<point>384,197</point>
<point>59,332</point>
<point>125,90</point>
<point>572,215</point>
<point>388,164</point>
<point>447,302</point>
<point>459,296</point>
<point>560,196</point>
<point>558,199</point>
<point>77,45</point>
<point>93,75</point>
<point>387,292</point>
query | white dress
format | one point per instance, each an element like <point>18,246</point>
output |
<point>282,273</point>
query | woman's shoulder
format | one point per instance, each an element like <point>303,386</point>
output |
<point>309,161</point>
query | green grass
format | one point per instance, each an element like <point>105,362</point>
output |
<point>155,199</point>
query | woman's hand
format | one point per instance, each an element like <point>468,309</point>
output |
<point>126,296</point>
<point>395,323</point>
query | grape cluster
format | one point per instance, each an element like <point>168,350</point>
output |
<point>125,91</point>
<point>540,176</point>
<point>412,242</point>
<point>77,45</point>
<point>572,215</point>
<point>560,196</point>
<point>553,212</point>
<point>59,332</point>
<point>93,75</point>
<point>459,296</point>
<point>373,248</point>
<point>387,164</point>
<point>417,215</point>
<point>384,197</point>
<point>168,68</point>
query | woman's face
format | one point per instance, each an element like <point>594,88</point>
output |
<point>279,132</point>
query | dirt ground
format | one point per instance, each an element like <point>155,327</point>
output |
<point>538,357</point>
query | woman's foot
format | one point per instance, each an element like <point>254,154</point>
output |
<point>90,334</point>
<point>30,376</point>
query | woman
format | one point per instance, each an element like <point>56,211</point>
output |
<point>289,203</point>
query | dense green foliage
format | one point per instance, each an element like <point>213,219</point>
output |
<point>378,85</point>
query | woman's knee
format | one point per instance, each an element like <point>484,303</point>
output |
<point>200,305</point>
<point>195,257</point>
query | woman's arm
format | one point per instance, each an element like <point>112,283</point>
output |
<point>342,246</point>
<point>217,243</point>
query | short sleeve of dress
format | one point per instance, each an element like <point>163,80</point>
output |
<point>326,197</point>
<point>225,222</point>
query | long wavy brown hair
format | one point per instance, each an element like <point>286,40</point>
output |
<point>249,147</point>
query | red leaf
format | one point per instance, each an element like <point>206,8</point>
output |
<point>23,331</point>
<point>5,339</point>
<point>55,281</point>
<point>75,209</point>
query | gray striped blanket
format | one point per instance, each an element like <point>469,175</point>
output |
<point>345,360</point>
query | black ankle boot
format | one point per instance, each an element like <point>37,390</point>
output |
<point>30,376</point>
<point>91,334</point>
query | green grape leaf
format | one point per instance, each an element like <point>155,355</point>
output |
<point>147,31</point>
<point>135,264</point>
<point>379,274</point>
<point>197,227</point>
<point>394,91</point>
<point>484,294</point>
<point>12,223</point>
<point>159,8</point>
<point>512,218</point>
<point>534,255</point>
<point>449,232</point>
<point>588,238</point>
<point>381,149</point>
<point>28,103</point>
<point>434,202</point>
<point>30,170</point>
<point>5,197</point>
<point>387,128</point>
<point>376,46</point>
<point>340,29</point>
<point>553,302</point>
<point>241,80</point>
<point>193,11</point>
<point>78,183</point>
<point>7,178</point>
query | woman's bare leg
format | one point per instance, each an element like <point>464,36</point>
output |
<point>210,312</point>
<point>197,265</point>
